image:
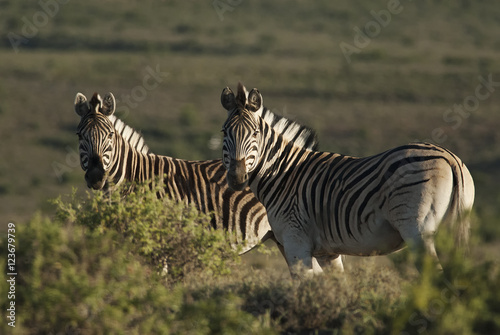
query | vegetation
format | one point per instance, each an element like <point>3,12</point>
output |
<point>94,269</point>
<point>174,238</point>
<point>167,62</point>
<point>93,280</point>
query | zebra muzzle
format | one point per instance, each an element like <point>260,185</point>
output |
<point>95,179</point>
<point>95,175</point>
<point>237,176</point>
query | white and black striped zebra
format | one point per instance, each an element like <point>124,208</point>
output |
<point>112,152</point>
<point>323,204</point>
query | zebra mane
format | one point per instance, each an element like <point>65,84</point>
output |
<point>291,130</point>
<point>130,135</point>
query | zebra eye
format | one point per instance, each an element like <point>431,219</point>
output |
<point>110,135</point>
<point>256,132</point>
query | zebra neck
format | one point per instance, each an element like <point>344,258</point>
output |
<point>279,157</point>
<point>132,165</point>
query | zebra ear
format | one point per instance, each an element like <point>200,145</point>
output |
<point>227,99</point>
<point>81,105</point>
<point>108,104</point>
<point>254,100</point>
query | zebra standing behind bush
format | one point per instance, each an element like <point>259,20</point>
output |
<point>322,204</point>
<point>112,152</point>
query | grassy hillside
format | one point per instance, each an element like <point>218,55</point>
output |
<point>397,88</point>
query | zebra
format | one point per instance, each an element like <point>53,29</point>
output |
<point>111,153</point>
<point>324,205</point>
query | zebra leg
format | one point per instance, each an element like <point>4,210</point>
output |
<point>299,259</point>
<point>317,266</point>
<point>417,223</point>
<point>417,208</point>
<point>270,235</point>
<point>332,261</point>
<point>421,244</point>
<point>282,250</point>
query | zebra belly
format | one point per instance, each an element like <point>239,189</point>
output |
<point>380,240</point>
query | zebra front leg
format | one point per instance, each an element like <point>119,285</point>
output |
<point>317,268</point>
<point>299,260</point>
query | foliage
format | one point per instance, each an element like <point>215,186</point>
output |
<point>462,299</point>
<point>173,237</point>
<point>329,301</point>
<point>91,270</point>
<point>72,279</point>
<point>373,300</point>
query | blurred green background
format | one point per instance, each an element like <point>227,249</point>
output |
<point>401,82</point>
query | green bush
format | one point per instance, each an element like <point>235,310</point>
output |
<point>70,279</point>
<point>464,299</point>
<point>173,237</point>
<point>75,280</point>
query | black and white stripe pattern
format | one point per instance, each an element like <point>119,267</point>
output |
<point>324,204</point>
<point>112,152</point>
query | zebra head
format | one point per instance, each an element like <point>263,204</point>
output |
<point>242,135</point>
<point>96,135</point>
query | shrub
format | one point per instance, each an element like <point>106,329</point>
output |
<point>71,279</point>
<point>75,280</point>
<point>464,299</point>
<point>170,235</point>
<point>322,303</point>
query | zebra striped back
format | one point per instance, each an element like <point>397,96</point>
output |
<point>201,183</point>
<point>324,204</point>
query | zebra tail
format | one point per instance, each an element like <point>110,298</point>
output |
<point>461,205</point>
